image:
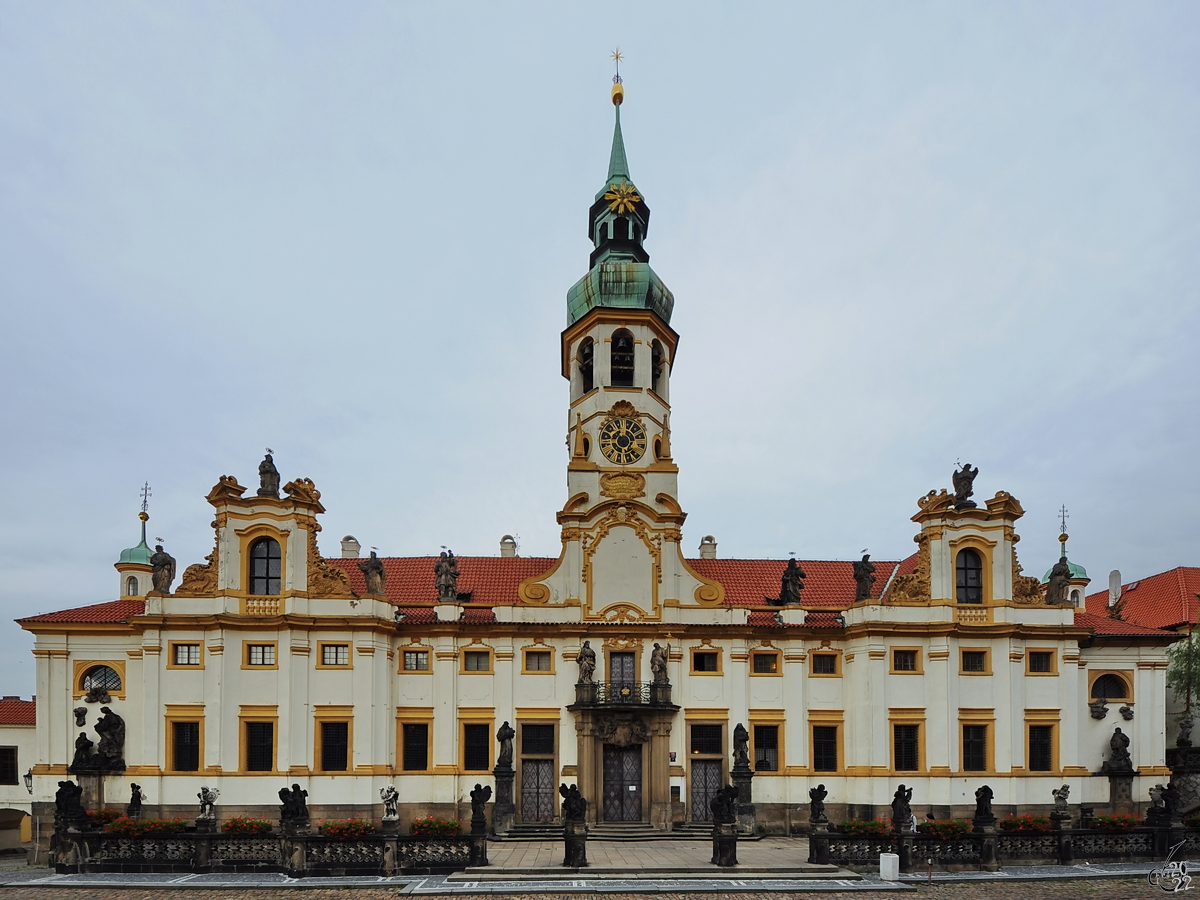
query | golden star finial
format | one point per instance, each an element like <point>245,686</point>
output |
<point>622,198</point>
<point>617,57</point>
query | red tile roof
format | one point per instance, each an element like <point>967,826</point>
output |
<point>749,582</point>
<point>1166,600</point>
<point>1105,625</point>
<point>15,711</point>
<point>488,579</point>
<point>113,611</point>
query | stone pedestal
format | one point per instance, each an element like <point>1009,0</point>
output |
<point>747,822</point>
<point>1120,788</point>
<point>479,855</point>
<point>575,844</point>
<point>504,813</point>
<point>206,825</point>
<point>1184,763</point>
<point>390,826</point>
<point>905,850</point>
<point>818,843</point>
<point>988,846</point>
<point>724,838</point>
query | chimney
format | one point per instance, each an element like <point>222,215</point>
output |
<point>508,545</point>
<point>708,547</point>
<point>1114,587</point>
<point>350,547</point>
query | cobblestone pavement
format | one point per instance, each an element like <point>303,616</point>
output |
<point>1110,889</point>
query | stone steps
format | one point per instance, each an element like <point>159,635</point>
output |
<point>793,871</point>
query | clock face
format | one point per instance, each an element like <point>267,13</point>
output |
<point>622,440</point>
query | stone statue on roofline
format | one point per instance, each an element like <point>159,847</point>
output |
<point>446,570</point>
<point>374,574</point>
<point>864,579</point>
<point>268,478</point>
<point>1059,583</point>
<point>791,584</point>
<point>964,481</point>
<point>162,565</point>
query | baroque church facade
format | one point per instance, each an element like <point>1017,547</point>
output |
<point>647,676</point>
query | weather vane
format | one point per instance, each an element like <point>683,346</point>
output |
<point>146,496</point>
<point>617,57</point>
<point>1062,518</point>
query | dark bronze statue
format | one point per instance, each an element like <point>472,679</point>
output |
<point>1060,582</point>
<point>587,663</point>
<point>816,805</point>
<point>374,574</point>
<point>658,665</point>
<point>983,805</point>
<point>791,585</point>
<point>68,803</point>
<point>864,578</point>
<point>110,754</point>
<point>902,814</point>
<point>294,808</point>
<point>574,805</point>
<point>80,716</point>
<point>964,486</point>
<point>505,736</point>
<point>268,478</point>
<point>741,747</point>
<point>162,572</point>
<point>83,760</point>
<point>134,809</point>
<point>1119,759</point>
<point>446,570</point>
<point>723,805</point>
<point>479,798</point>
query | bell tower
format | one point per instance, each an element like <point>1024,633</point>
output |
<point>621,521</point>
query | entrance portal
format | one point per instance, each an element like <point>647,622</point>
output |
<point>537,790</point>
<point>706,781</point>
<point>622,783</point>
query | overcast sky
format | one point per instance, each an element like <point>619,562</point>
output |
<point>898,235</point>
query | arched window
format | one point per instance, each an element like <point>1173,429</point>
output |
<point>657,367</point>
<point>1109,687</point>
<point>969,576</point>
<point>264,567</point>
<point>622,359</point>
<point>131,588</point>
<point>1075,597</point>
<point>101,679</point>
<point>587,349</point>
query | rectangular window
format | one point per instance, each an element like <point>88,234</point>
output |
<point>537,660</point>
<point>476,744</point>
<point>335,746</point>
<point>187,654</point>
<point>1041,661</point>
<point>825,748</point>
<point>537,739</point>
<point>765,663</point>
<point>335,654</point>
<point>185,746</point>
<point>477,661</point>
<point>904,660</point>
<point>416,747</point>
<point>260,654</point>
<point>260,746</point>
<point>1041,748</point>
<point>704,661</point>
<point>416,660</point>
<point>974,748</point>
<point>8,766</point>
<point>908,748</point>
<point>974,660</point>
<point>824,663</point>
<point>766,748</point>
<point>707,739</point>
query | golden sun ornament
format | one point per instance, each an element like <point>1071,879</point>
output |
<point>621,198</point>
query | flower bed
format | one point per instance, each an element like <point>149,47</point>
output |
<point>432,826</point>
<point>866,828</point>
<point>1026,824</point>
<point>243,825</point>
<point>946,831</point>
<point>1118,822</point>
<point>346,829</point>
<point>99,818</point>
<point>136,828</point>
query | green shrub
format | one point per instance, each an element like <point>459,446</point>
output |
<point>1118,822</point>
<point>947,831</point>
<point>346,829</point>
<point>1025,824</point>
<point>867,827</point>
<point>136,828</point>
<point>432,826</point>
<point>243,825</point>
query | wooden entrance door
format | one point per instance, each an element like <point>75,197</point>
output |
<point>537,790</point>
<point>622,783</point>
<point>706,781</point>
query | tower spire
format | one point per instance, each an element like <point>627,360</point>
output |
<point>618,165</point>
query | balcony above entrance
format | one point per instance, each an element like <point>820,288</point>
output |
<point>623,693</point>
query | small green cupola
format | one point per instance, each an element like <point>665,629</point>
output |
<point>618,221</point>
<point>134,564</point>
<point>139,555</point>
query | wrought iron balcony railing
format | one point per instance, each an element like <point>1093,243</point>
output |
<point>623,693</point>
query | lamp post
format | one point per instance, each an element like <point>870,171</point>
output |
<point>28,776</point>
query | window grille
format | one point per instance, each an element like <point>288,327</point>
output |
<point>907,748</point>
<point>766,748</point>
<point>825,748</point>
<point>537,739</point>
<point>476,744</point>
<point>260,746</point>
<point>335,746</point>
<point>708,739</point>
<point>186,746</point>
<point>416,747</point>
<point>265,564</point>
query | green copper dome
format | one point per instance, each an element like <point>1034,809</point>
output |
<point>139,555</point>
<point>620,276</point>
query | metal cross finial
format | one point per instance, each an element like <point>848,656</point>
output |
<point>617,57</point>
<point>1062,518</point>
<point>146,496</point>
